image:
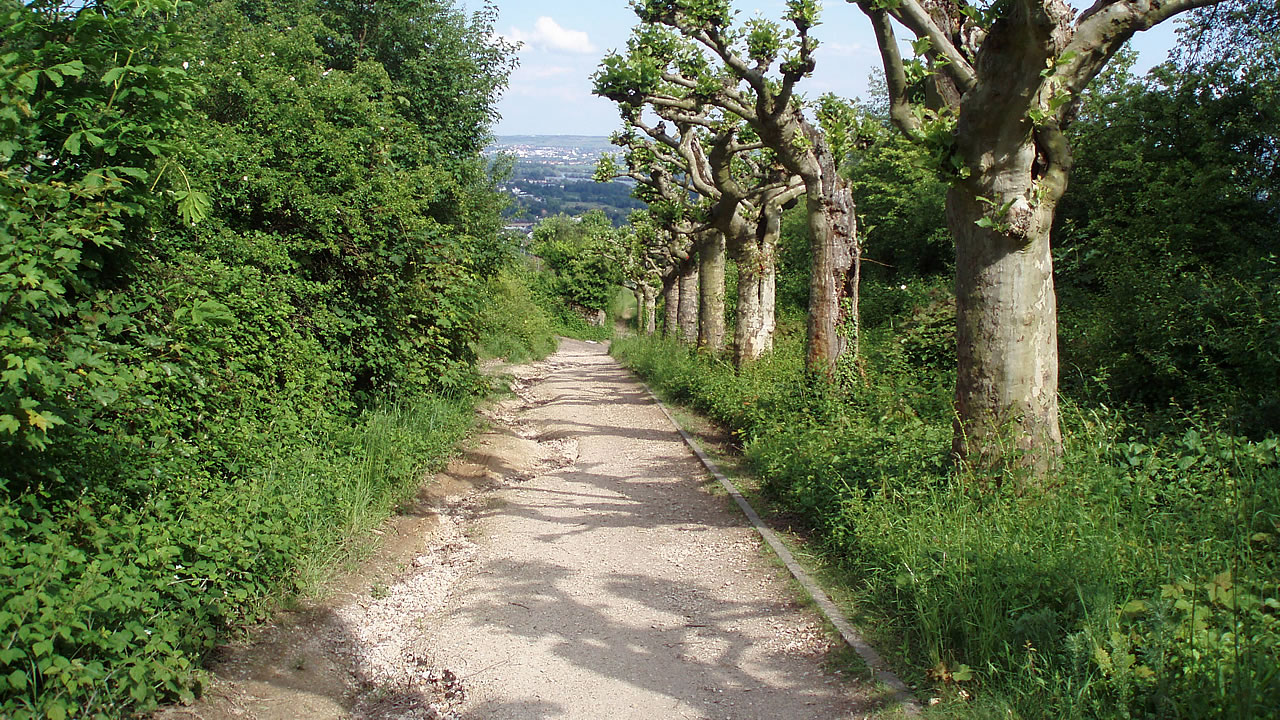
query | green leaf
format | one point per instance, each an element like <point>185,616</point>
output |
<point>72,68</point>
<point>135,173</point>
<point>1134,607</point>
<point>18,680</point>
<point>113,75</point>
<point>193,206</point>
<point>27,81</point>
<point>212,312</point>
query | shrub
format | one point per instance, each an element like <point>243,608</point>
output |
<point>512,323</point>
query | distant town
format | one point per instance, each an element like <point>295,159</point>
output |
<point>553,175</point>
<point>579,151</point>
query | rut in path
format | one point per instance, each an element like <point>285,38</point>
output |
<point>595,578</point>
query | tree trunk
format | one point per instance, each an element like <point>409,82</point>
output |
<point>711,263</point>
<point>1013,87</point>
<point>648,308</point>
<point>757,283</point>
<point>671,305</point>
<point>831,225</point>
<point>687,316</point>
<point>855,308</point>
<point>1006,333</point>
<point>1006,308</point>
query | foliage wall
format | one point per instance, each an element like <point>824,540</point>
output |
<point>241,259</point>
<point>1166,243</point>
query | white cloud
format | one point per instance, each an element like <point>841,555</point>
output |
<point>840,49</point>
<point>544,72</point>
<point>548,35</point>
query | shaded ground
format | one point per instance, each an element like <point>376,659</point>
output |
<point>572,566</point>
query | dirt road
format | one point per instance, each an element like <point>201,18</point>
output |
<point>597,577</point>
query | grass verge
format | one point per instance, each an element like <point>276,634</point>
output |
<point>109,601</point>
<point>1140,581</point>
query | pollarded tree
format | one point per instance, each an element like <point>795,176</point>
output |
<point>651,265</point>
<point>743,190</point>
<point>751,190</point>
<point>991,92</point>
<point>746,189</point>
<point>686,55</point>
<point>673,238</point>
<point>664,181</point>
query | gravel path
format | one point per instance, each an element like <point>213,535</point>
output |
<point>571,565</point>
<point>618,587</point>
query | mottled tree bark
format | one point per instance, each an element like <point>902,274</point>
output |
<point>757,298</point>
<point>648,324</point>
<point>1006,342</point>
<point>1013,85</point>
<point>1006,307</point>
<point>687,315</point>
<point>834,240</point>
<point>671,305</point>
<point>711,267</point>
<point>1000,216</point>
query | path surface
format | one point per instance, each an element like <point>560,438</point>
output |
<point>617,587</point>
<point>597,579</point>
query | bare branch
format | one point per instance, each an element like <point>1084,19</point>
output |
<point>715,42</point>
<point>1104,28</point>
<point>894,72</point>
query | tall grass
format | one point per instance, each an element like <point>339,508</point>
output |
<point>379,467</point>
<point>1139,581</point>
<point>108,601</point>
<point>514,324</point>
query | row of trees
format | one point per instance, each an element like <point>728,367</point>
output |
<point>1098,593</point>
<point>718,137</point>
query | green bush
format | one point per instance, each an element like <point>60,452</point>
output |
<point>241,275</point>
<point>513,325</point>
<point>108,605</point>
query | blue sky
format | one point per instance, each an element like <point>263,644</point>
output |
<point>563,42</point>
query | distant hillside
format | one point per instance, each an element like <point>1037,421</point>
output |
<point>593,143</point>
<point>552,175</point>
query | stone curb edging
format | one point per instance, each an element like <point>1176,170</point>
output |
<point>879,671</point>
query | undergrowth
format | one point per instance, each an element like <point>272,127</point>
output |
<point>110,599</point>
<point>1138,581</point>
<point>513,325</point>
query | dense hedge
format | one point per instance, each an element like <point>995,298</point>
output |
<point>242,260</point>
